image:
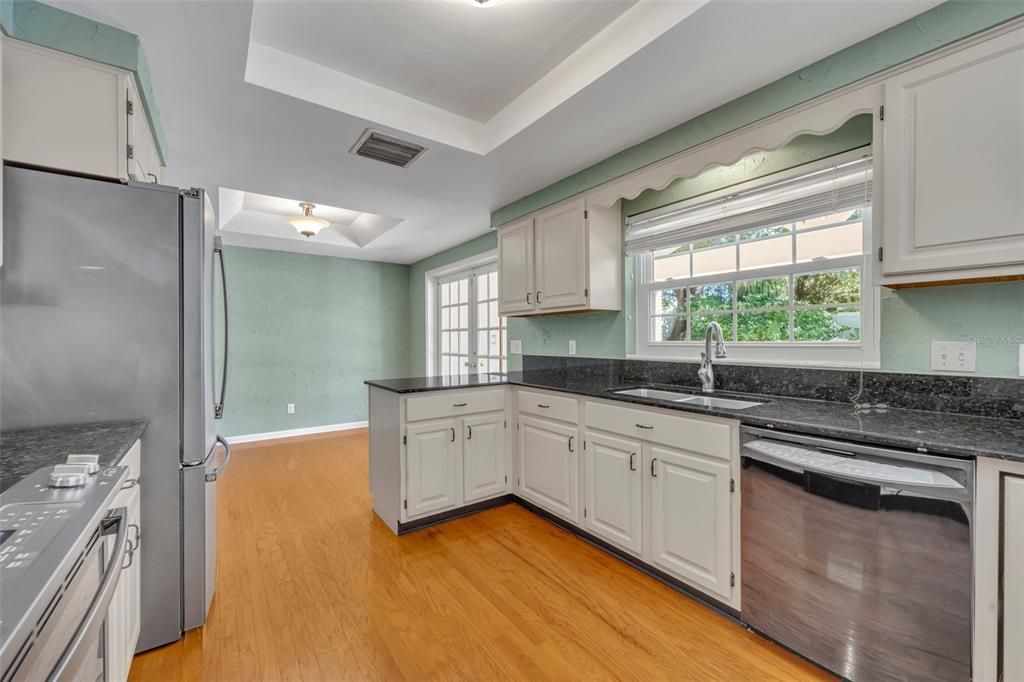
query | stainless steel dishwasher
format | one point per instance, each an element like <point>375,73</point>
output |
<point>858,557</point>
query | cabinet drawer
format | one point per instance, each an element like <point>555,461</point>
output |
<point>557,407</point>
<point>454,404</point>
<point>703,436</point>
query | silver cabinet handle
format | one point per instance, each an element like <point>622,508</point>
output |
<point>459,404</point>
<point>129,483</point>
<point>453,434</point>
<point>543,406</point>
<point>644,426</point>
<point>632,464</point>
<point>218,405</point>
<point>570,443</point>
<point>81,642</point>
<point>469,436</point>
<point>654,474</point>
<point>222,467</point>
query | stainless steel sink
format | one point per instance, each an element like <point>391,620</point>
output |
<point>680,397</point>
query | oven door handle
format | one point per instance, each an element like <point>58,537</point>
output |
<point>78,649</point>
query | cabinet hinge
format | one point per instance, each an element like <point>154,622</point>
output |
<point>506,423</point>
<point>880,252</point>
<point>517,482</point>
<point>405,504</point>
<point>881,113</point>
<point>584,512</point>
<point>131,152</point>
<point>405,440</point>
<point>586,214</point>
<point>586,293</point>
<point>732,485</point>
<point>584,445</point>
<point>131,107</point>
<point>506,478</point>
<point>732,580</point>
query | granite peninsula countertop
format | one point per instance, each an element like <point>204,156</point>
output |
<point>937,432</point>
<point>23,451</point>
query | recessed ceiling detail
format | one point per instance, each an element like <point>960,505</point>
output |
<point>261,220</point>
<point>448,71</point>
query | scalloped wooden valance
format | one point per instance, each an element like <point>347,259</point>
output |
<point>818,117</point>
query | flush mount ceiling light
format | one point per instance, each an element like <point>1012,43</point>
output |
<point>483,3</point>
<point>307,224</point>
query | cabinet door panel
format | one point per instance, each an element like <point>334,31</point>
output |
<point>953,161</point>
<point>515,268</point>
<point>548,468</point>
<point>124,615</point>
<point>1013,569</point>
<point>690,518</point>
<point>484,467</point>
<point>561,234</point>
<point>614,478</point>
<point>432,467</point>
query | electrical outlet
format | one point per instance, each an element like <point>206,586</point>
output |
<point>515,346</point>
<point>954,356</point>
<point>291,408</point>
<point>572,346</point>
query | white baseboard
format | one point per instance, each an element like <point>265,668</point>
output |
<point>291,433</point>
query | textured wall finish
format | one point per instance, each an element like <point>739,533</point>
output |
<point>308,330</point>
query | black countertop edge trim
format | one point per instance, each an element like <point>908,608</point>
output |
<point>890,440</point>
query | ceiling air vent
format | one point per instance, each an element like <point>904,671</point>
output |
<point>376,145</point>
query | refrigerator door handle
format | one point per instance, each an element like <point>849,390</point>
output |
<point>223,466</point>
<point>218,405</point>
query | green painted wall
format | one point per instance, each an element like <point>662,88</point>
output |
<point>929,31</point>
<point>309,330</point>
<point>41,24</point>
<point>992,315</point>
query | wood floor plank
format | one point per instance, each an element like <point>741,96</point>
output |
<point>312,586</point>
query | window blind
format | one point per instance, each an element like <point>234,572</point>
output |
<point>841,185</point>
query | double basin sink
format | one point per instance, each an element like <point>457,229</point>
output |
<point>688,398</point>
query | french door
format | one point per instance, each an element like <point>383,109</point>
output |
<point>471,334</point>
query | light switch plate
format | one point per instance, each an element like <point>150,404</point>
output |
<point>291,408</point>
<point>515,346</point>
<point>572,346</point>
<point>954,356</point>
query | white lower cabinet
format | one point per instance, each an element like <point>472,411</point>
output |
<point>432,471</point>
<point>124,615</point>
<point>690,518</point>
<point>484,468</point>
<point>548,466</point>
<point>1013,586</point>
<point>614,484</point>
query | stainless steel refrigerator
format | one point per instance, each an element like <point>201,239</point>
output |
<point>106,314</point>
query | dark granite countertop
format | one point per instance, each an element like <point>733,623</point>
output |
<point>23,451</point>
<point>937,432</point>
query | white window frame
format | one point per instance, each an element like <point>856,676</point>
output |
<point>865,354</point>
<point>432,311</point>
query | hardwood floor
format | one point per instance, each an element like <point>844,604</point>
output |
<point>312,586</point>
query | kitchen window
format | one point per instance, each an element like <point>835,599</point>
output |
<point>470,335</point>
<point>780,263</point>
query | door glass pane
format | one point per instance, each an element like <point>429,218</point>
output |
<point>470,329</point>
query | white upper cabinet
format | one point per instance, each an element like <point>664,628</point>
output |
<point>72,114</point>
<point>515,268</point>
<point>953,166</point>
<point>614,482</point>
<point>564,258</point>
<point>561,256</point>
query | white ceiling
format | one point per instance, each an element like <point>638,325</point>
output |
<point>261,220</point>
<point>225,132</point>
<point>468,60</point>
